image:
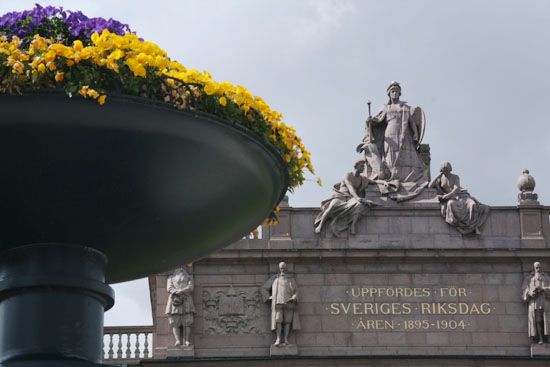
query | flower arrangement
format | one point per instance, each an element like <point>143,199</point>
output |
<point>49,47</point>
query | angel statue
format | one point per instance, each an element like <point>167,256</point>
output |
<point>391,147</point>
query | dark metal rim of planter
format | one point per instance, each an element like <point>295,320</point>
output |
<point>149,186</point>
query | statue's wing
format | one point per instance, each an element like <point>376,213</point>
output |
<point>419,119</point>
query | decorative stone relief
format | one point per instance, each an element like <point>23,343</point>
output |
<point>458,207</point>
<point>233,310</point>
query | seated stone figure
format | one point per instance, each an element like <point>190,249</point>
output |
<point>347,204</point>
<point>459,209</point>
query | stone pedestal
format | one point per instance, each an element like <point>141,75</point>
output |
<point>539,350</point>
<point>426,199</point>
<point>283,350</point>
<point>533,225</point>
<point>180,352</point>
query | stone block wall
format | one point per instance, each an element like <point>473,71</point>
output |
<point>406,285</point>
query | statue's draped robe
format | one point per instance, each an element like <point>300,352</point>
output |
<point>456,210</point>
<point>393,156</point>
<point>539,301</point>
<point>345,208</point>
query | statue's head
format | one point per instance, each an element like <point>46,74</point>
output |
<point>181,272</point>
<point>538,267</point>
<point>359,165</point>
<point>446,167</point>
<point>282,267</point>
<point>394,91</point>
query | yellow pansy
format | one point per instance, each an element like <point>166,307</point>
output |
<point>38,43</point>
<point>77,45</point>
<point>18,68</point>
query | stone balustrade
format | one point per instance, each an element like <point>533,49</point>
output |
<point>127,344</point>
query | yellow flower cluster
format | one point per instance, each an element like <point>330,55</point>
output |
<point>86,91</point>
<point>111,51</point>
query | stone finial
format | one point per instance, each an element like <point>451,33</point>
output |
<point>526,186</point>
<point>526,182</point>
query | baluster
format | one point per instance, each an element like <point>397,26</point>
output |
<point>137,353</point>
<point>110,350</point>
<point>128,351</point>
<point>119,346</point>
<point>103,345</point>
<point>146,346</point>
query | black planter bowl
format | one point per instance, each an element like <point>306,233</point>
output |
<point>133,184</point>
<point>149,186</point>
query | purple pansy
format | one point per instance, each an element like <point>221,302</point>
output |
<point>24,23</point>
<point>79,23</point>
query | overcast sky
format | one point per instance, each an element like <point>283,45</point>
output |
<point>479,69</point>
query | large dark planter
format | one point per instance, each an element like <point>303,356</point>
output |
<point>149,187</point>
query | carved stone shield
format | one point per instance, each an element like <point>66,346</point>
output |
<point>419,119</point>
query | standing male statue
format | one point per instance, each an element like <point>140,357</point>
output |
<point>282,292</point>
<point>536,292</point>
<point>180,308</point>
<point>391,147</point>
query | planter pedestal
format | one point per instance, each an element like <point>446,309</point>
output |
<point>52,300</point>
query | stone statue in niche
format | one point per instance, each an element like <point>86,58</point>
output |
<point>391,147</point>
<point>180,308</point>
<point>347,205</point>
<point>459,209</point>
<point>536,292</point>
<point>281,291</point>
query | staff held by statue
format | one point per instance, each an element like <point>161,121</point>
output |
<point>369,124</point>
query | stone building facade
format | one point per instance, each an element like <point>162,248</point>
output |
<point>407,288</point>
<point>394,269</point>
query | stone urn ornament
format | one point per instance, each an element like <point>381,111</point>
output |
<point>526,185</point>
<point>118,163</point>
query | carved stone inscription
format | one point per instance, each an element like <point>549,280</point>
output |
<point>442,308</point>
<point>232,310</point>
